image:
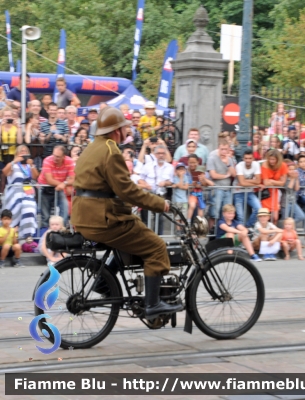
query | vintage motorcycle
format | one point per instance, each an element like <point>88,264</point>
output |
<point>221,290</point>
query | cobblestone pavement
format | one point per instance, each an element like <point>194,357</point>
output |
<point>131,347</point>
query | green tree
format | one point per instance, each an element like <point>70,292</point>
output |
<point>286,55</point>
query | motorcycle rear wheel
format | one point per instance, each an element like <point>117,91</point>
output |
<point>81,329</point>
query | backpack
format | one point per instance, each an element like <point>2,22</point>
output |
<point>30,247</point>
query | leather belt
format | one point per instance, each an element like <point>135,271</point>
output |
<point>98,194</point>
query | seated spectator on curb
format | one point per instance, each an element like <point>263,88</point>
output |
<point>180,191</point>
<point>291,148</point>
<point>56,224</point>
<point>265,231</point>
<point>289,206</point>
<point>150,145</point>
<point>148,122</point>
<point>248,175</point>
<point>221,170</point>
<point>20,198</point>
<point>54,131</point>
<point>301,192</point>
<point>58,172</point>
<point>228,227</point>
<point>201,150</point>
<point>9,246</point>
<point>274,173</point>
<point>191,146</point>
<point>290,240</point>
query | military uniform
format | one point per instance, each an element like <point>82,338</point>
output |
<point>101,167</point>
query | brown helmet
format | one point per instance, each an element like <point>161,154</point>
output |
<point>110,119</point>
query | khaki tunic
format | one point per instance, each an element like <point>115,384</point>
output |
<point>110,221</point>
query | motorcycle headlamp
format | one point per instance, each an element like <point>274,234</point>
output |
<point>200,226</point>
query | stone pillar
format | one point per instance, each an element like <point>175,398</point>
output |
<point>199,77</point>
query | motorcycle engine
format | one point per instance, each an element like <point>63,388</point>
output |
<point>169,285</point>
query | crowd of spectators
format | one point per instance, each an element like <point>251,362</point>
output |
<point>271,174</point>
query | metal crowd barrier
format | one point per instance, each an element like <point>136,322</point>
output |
<point>38,196</point>
<point>208,195</point>
<point>153,220</point>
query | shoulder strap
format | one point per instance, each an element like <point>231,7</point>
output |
<point>108,142</point>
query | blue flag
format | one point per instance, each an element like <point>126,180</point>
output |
<point>61,60</point>
<point>137,37</point>
<point>167,74</point>
<point>18,66</point>
<point>9,41</point>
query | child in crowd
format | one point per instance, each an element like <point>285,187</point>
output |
<point>275,143</point>
<point>9,245</point>
<point>290,240</point>
<point>228,227</point>
<point>265,231</point>
<point>191,147</point>
<point>148,122</point>
<point>56,224</point>
<point>289,207</point>
<point>180,191</point>
<point>197,179</point>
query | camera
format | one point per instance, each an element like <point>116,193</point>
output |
<point>153,139</point>
<point>131,153</point>
<point>25,158</point>
<point>10,120</point>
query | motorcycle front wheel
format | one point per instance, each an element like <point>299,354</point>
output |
<point>225,300</point>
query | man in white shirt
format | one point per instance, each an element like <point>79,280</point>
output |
<point>155,177</point>
<point>151,144</point>
<point>248,175</point>
<point>201,151</point>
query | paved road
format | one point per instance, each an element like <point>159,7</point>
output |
<point>132,347</point>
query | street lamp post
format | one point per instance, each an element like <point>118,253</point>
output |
<point>28,33</point>
<point>245,77</point>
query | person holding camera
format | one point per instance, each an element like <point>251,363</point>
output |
<point>10,135</point>
<point>146,154</point>
<point>19,196</point>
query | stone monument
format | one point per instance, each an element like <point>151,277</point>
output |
<point>199,76</point>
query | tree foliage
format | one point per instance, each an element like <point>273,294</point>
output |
<point>100,35</point>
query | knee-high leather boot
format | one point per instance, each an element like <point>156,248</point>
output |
<point>153,305</point>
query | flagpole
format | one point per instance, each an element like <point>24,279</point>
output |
<point>9,41</point>
<point>61,61</point>
<point>137,37</point>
